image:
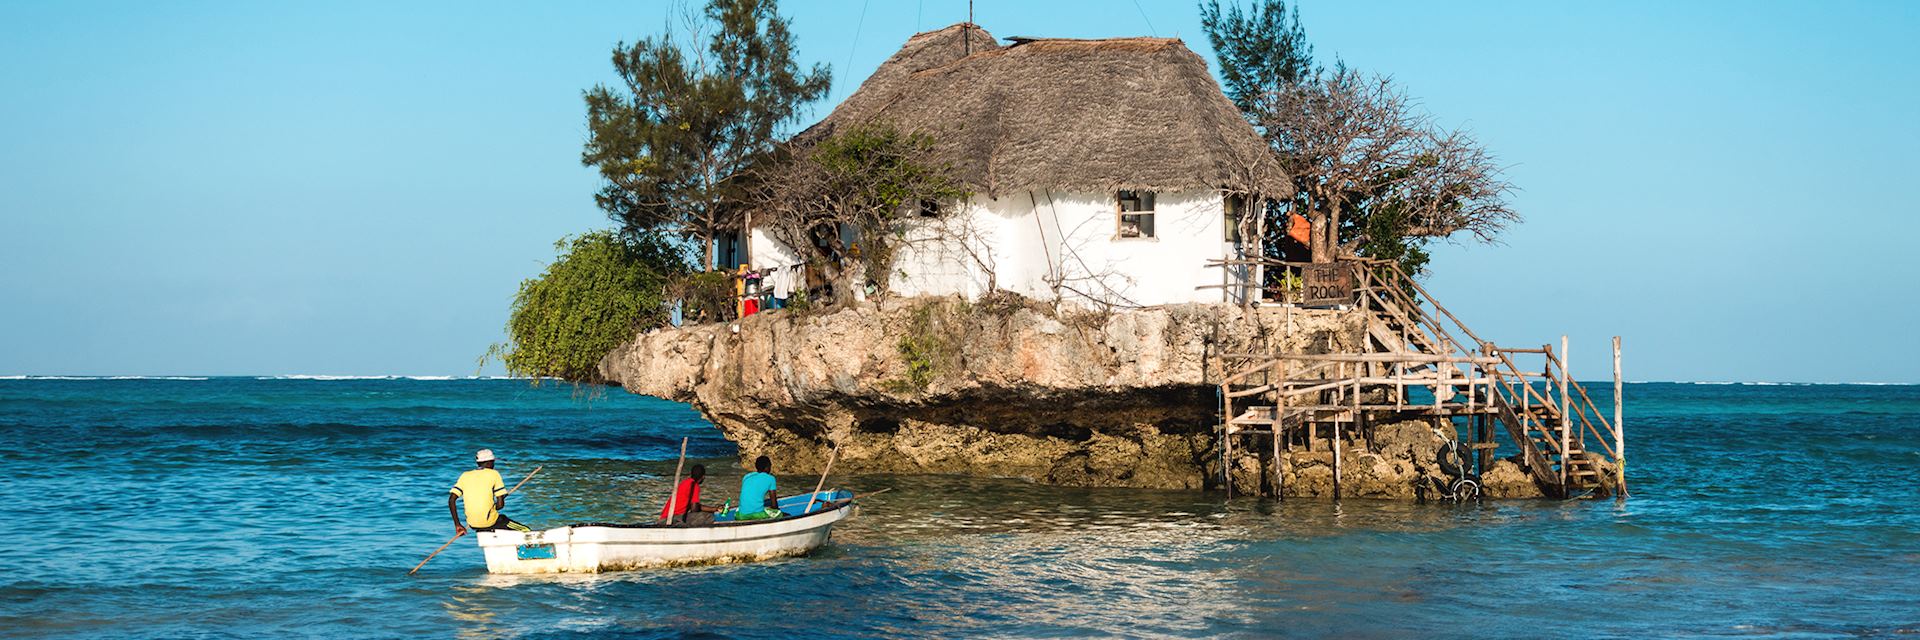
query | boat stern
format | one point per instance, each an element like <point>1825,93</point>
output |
<point>546,551</point>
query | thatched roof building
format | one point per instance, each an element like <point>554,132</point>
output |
<point>1090,115</point>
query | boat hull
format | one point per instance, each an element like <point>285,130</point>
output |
<point>598,548</point>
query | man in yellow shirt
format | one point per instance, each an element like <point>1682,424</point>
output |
<point>485,496</point>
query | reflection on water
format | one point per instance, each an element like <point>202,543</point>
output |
<point>250,508</point>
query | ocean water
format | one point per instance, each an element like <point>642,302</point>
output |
<point>241,507</point>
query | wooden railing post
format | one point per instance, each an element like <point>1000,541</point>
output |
<point>1566,428</point>
<point>1526,405</point>
<point>1619,427</point>
<point>1258,270</point>
<point>1336,435</point>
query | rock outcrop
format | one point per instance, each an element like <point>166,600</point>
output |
<point>1006,387</point>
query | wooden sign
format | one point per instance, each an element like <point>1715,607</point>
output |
<point>1326,284</point>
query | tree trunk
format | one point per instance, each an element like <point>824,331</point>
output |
<point>706,242</point>
<point>1331,240</point>
<point>1317,236</point>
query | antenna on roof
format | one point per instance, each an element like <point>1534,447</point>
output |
<point>966,39</point>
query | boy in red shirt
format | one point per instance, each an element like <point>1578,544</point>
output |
<point>685,507</point>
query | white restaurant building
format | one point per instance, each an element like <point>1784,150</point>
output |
<point>1109,171</point>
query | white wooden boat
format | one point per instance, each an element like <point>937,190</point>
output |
<point>595,547</point>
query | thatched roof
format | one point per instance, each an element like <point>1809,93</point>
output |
<point>1093,115</point>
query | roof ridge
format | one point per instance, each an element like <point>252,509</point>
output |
<point>956,25</point>
<point>1095,40</point>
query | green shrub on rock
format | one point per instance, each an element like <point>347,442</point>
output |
<point>601,290</point>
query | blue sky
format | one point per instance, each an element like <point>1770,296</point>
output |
<point>356,188</point>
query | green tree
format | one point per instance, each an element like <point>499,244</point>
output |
<point>1262,49</point>
<point>602,289</point>
<point>673,140</point>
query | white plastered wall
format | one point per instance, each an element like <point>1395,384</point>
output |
<point>1044,244</point>
<point>764,252</point>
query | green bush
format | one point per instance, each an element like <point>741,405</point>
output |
<point>930,347</point>
<point>601,290</point>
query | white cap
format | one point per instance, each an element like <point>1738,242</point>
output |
<point>484,455</point>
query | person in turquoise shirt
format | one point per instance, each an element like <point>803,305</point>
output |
<point>757,500</point>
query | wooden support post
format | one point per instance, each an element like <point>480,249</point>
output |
<point>1337,447</point>
<point>1280,406</point>
<point>1399,385</point>
<point>1566,425</point>
<point>1526,406</point>
<point>1226,456</point>
<point>1278,472</point>
<point>1619,428</point>
<point>1226,429</point>
<point>1225,275</point>
<point>1483,434</point>
<point>1257,291</point>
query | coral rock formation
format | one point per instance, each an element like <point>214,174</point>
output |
<point>1006,387</point>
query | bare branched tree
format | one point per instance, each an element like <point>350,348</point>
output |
<point>1369,165</point>
<point>960,232</point>
<point>866,179</point>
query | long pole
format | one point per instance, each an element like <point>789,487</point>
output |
<point>673,495</point>
<point>437,551</point>
<point>1619,428</point>
<point>523,481</point>
<point>823,481</point>
<point>966,39</point>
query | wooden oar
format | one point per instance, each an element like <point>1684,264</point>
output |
<point>524,480</point>
<point>463,532</point>
<point>823,482</point>
<point>437,551</point>
<point>673,490</point>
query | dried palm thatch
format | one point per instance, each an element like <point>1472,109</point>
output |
<point>1084,115</point>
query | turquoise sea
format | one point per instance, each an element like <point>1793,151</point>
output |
<point>244,507</point>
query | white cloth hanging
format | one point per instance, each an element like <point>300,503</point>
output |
<point>782,283</point>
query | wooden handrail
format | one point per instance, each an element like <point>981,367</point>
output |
<point>1435,302</point>
<point>1415,358</point>
<point>1247,373</point>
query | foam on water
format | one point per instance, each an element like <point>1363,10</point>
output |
<point>242,507</point>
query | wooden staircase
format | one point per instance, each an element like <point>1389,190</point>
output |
<point>1411,342</point>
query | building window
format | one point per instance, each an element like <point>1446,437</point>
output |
<point>1136,214</point>
<point>1236,208</point>
<point>929,209</point>
<point>728,251</point>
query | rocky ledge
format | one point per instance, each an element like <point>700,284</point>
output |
<point>1010,387</point>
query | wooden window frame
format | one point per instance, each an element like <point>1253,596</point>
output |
<point>1150,204</point>
<point>1232,206</point>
